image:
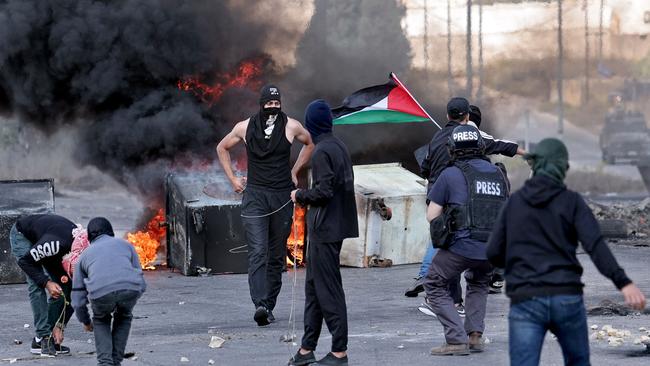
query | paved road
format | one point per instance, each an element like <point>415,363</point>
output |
<point>584,150</point>
<point>178,315</point>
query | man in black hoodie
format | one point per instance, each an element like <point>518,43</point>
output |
<point>39,243</point>
<point>332,217</point>
<point>535,239</point>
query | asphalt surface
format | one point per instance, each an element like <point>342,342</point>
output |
<point>583,146</point>
<point>178,315</point>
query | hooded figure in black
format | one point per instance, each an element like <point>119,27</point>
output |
<point>266,205</point>
<point>39,243</point>
<point>332,217</point>
<point>535,238</point>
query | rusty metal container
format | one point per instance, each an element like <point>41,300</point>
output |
<point>20,197</point>
<point>401,239</point>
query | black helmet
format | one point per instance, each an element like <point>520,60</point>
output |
<point>466,141</point>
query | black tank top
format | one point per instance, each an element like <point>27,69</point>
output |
<point>269,164</point>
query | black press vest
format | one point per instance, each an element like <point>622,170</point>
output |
<point>487,192</point>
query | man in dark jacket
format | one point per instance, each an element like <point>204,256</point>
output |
<point>535,239</point>
<point>459,112</point>
<point>39,243</point>
<point>109,274</point>
<point>332,217</point>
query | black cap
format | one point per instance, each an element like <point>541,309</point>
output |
<point>99,226</point>
<point>457,108</point>
<point>475,115</point>
<point>269,92</point>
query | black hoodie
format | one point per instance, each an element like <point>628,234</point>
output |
<point>51,238</point>
<point>536,237</point>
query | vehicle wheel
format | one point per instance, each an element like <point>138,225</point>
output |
<point>611,228</point>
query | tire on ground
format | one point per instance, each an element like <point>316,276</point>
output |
<point>612,228</point>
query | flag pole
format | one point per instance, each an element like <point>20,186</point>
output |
<point>393,76</point>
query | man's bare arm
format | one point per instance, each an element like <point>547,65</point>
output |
<point>433,210</point>
<point>237,135</point>
<point>303,136</point>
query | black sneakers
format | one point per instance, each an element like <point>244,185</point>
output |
<point>261,316</point>
<point>415,288</point>
<point>460,308</point>
<point>36,346</point>
<point>61,350</point>
<point>332,360</point>
<point>495,287</point>
<point>47,347</point>
<point>299,359</point>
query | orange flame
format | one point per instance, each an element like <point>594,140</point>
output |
<point>246,75</point>
<point>296,241</point>
<point>147,242</point>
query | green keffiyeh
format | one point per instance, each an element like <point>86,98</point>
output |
<point>550,158</point>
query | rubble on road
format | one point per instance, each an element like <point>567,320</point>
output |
<point>618,337</point>
<point>635,216</point>
<point>216,342</point>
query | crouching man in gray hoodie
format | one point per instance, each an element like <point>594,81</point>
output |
<point>109,274</point>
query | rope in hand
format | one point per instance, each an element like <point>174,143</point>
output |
<point>61,319</point>
<point>290,338</point>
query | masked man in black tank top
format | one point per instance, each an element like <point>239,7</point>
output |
<point>266,209</point>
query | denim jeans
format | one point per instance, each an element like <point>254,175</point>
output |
<point>37,296</point>
<point>426,260</point>
<point>117,307</point>
<point>563,315</point>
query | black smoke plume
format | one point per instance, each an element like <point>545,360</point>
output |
<point>110,68</point>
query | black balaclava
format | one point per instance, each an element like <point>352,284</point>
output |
<point>268,93</point>
<point>475,115</point>
<point>99,226</point>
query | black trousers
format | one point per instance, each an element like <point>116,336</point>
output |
<point>267,242</point>
<point>324,297</point>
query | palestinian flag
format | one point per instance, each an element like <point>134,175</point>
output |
<point>387,103</point>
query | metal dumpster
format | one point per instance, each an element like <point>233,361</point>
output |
<point>402,239</point>
<point>204,225</point>
<point>20,197</point>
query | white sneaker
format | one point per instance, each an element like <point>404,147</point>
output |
<point>426,309</point>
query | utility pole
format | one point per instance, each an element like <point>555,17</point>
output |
<point>586,91</point>
<point>600,33</point>
<point>560,76</point>
<point>470,76</point>
<point>449,73</point>
<point>479,92</point>
<point>425,39</point>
